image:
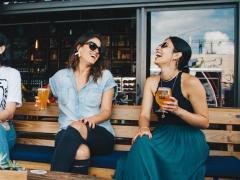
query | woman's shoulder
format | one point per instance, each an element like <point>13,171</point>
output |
<point>12,71</point>
<point>106,74</point>
<point>152,82</point>
<point>62,72</point>
<point>190,80</point>
<point>154,79</point>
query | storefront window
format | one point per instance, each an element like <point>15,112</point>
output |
<point>210,32</point>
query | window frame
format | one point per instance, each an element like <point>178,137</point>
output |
<point>144,19</point>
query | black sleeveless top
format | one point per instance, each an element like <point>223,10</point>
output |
<point>171,118</point>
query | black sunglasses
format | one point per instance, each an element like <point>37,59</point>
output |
<point>163,45</point>
<point>93,46</point>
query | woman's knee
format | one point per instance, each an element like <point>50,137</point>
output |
<point>83,152</point>
<point>142,140</point>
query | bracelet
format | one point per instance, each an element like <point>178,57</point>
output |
<point>144,127</point>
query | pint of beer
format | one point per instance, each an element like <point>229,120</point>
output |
<point>43,94</point>
<point>163,94</point>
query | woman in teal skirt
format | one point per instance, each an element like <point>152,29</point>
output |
<point>176,149</point>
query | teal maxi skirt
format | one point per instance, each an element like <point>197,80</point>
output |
<point>175,152</point>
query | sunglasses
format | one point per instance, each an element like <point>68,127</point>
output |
<point>93,46</point>
<point>163,45</point>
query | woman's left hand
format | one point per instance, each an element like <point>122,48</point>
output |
<point>89,122</point>
<point>171,105</point>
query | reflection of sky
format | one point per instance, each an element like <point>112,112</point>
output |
<point>192,25</point>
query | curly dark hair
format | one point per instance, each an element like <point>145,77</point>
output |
<point>98,67</point>
<point>5,56</point>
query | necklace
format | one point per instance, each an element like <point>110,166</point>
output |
<point>172,88</point>
<point>175,76</point>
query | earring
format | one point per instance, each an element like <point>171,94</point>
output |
<point>177,63</point>
<point>77,54</point>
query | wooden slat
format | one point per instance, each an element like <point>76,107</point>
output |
<point>28,108</point>
<point>219,153</point>
<point>34,165</point>
<point>13,175</point>
<point>125,131</point>
<point>94,171</point>
<point>222,136</point>
<point>36,126</point>
<point>43,142</point>
<point>126,112</point>
<point>224,116</point>
<point>122,147</point>
<point>224,153</point>
<point>101,172</point>
<point>39,142</point>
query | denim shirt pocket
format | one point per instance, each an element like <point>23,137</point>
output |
<point>93,97</point>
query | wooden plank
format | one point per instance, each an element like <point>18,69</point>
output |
<point>39,142</point>
<point>122,147</point>
<point>28,108</point>
<point>101,172</point>
<point>34,165</point>
<point>36,126</point>
<point>222,136</point>
<point>29,118</point>
<point>224,153</point>
<point>126,112</point>
<point>219,153</point>
<point>125,131</point>
<point>13,175</point>
<point>224,116</point>
<point>43,142</point>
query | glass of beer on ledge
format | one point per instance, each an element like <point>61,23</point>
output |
<point>162,94</point>
<point>43,94</point>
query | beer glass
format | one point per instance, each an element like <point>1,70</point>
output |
<point>163,94</point>
<point>43,94</point>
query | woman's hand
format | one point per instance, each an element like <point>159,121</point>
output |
<point>171,105</point>
<point>38,101</point>
<point>89,122</point>
<point>142,131</point>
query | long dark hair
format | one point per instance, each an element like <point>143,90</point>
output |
<point>5,56</point>
<point>182,46</point>
<point>74,60</point>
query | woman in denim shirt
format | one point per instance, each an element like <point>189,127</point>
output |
<point>84,91</point>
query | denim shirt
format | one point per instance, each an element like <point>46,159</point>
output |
<point>74,104</point>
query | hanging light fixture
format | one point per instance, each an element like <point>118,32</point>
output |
<point>36,44</point>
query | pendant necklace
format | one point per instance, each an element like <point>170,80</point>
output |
<point>172,88</point>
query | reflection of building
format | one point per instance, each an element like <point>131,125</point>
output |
<point>223,61</point>
<point>211,80</point>
<point>126,90</point>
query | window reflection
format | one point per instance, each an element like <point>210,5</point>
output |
<point>9,2</point>
<point>210,32</point>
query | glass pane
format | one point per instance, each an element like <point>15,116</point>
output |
<point>210,32</point>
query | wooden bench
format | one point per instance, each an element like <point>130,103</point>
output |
<point>38,128</point>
